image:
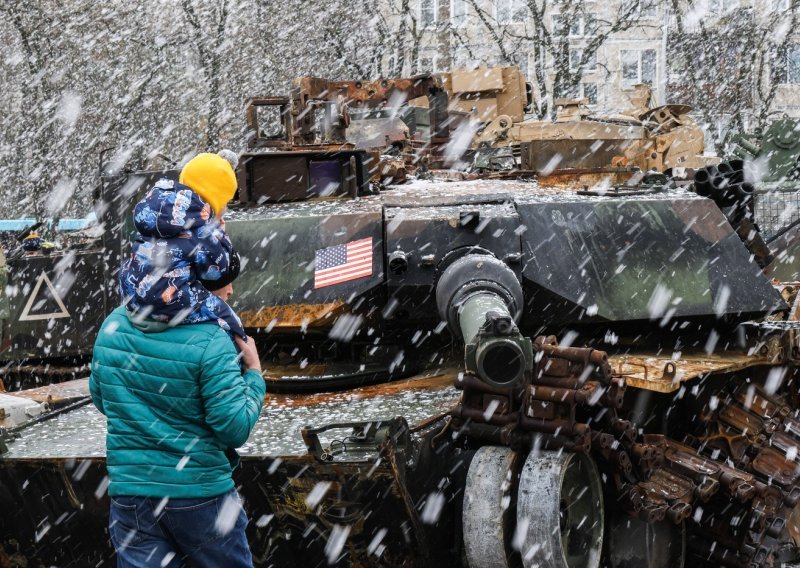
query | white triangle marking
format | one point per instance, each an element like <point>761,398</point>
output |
<point>26,312</point>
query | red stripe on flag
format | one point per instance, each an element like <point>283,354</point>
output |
<point>361,267</point>
<point>358,264</point>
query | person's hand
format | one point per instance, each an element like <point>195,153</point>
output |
<point>250,358</point>
<point>222,223</point>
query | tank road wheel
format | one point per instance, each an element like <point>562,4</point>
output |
<point>633,543</point>
<point>487,498</point>
<point>559,511</point>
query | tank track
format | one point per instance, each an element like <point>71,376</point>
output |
<point>734,480</point>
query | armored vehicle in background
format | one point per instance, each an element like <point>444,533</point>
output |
<point>662,138</point>
<point>578,377</point>
<point>476,116</point>
<point>374,116</point>
<point>769,162</point>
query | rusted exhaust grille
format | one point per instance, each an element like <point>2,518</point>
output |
<point>776,210</point>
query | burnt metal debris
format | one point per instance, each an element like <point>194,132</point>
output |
<point>589,366</point>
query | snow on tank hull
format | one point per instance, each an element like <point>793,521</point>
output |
<point>357,505</point>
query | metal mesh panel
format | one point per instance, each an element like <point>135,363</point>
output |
<point>776,209</point>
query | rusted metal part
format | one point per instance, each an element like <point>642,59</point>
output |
<point>655,477</point>
<point>282,137</point>
<point>772,463</point>
<point>582,355</point>
<point>583,178</point>
<point>337,100</point>
<point>652,373</point>
<point>288,528</point>
<point>557,427</point>
<point>485,417</point>
<point>399,480</point>
<point>470,382</point>
<point>749,423</point>
<point>427,382</point>
<point>562,382</point>
<point>568,396</point>
<point>675,490</point>
<point>378,91</point>
<point>756,431</point>
<point>58,394</point>
<point>26,377</point>
<point>68,488</point>
<point>624,429</point>
<point>614,395</point>
<point>293,316</point>
<point>790,292</point>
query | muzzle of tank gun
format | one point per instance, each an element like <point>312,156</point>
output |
<point>481,300</point>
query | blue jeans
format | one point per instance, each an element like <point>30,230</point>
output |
<point>202,533</point>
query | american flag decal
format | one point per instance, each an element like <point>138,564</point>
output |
<point>340,263</point>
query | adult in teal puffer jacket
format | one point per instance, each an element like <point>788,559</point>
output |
<point>176,402</point>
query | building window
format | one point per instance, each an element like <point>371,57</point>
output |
<point>427,13</point>
<point>576,55</point>
<point>786,68</point>
<point>589,25</point>
<point>511,11</point>
<point>780,5</point>
<point>722,6</point>
<point>559,25</point>
<point>648,9</point>
<point>638,66</point>
<point>586,91</point>
<point>568,92</point>
<point>458,12</point>
<point>589,92</point>
<point>581,25</point>
<point>521,61</point>
<point>427,64</point>
<point>793,65</point>
<point>460,58</point>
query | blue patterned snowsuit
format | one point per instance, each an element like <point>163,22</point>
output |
<point>178,243</point>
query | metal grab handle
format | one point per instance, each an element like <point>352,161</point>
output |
<point>373,435</point>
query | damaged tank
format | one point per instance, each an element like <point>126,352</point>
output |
<point>767,166</point>
<point>647,137</point>
<point>463,373</point>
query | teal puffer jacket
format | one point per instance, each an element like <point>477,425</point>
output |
<point>176,400</point>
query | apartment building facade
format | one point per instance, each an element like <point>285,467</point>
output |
<point>599,50</point>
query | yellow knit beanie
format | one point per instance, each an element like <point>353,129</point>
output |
<point>212,177</point>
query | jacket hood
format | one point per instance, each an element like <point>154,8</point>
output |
<point>169,209</point>
<point>145,324</point>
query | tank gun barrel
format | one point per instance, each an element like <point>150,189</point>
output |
<point>481,300</point>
